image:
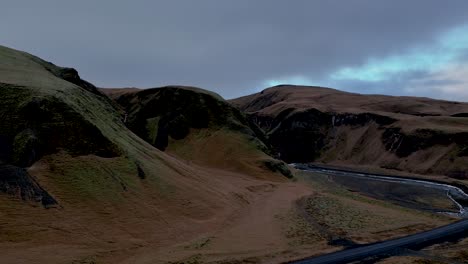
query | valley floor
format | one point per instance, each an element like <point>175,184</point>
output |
<point>271,222</point>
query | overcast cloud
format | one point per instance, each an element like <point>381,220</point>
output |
<point>237,47</point>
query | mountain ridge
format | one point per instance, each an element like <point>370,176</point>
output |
<point>315,124</point>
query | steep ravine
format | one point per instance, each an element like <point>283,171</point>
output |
<point>331,127</point>
<point>197,125</point>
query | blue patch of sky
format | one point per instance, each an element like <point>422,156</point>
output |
<point>448,49</point>
<point>379,74</point>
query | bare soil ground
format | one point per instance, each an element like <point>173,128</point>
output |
<point>235,217</point>
<point>259,221</point>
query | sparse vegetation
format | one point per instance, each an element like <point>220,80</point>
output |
<point>301,232</point>
<point>186,121</point>
<point>349,215</point>
<point>276,165</point>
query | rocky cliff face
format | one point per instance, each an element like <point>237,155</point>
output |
<point>170,112</point>
<point>312,124</point>
<point>38,125</point>
<point>309,133</point>
<point>36,122</point>
<point>55,128</point>
<point>181,119</point>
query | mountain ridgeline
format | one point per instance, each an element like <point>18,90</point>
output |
<point>314,124</point>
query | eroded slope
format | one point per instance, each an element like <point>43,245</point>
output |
<point>419,135</point>
<point>197,125</point>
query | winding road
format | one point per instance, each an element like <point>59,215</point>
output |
<point>391,247</point>
<point>416,241</point>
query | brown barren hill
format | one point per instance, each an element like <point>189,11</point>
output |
<point>316,124</point>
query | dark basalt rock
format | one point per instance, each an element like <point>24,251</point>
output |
<point>16,181</point>
<point>404,144</point>
<point>141,172</point>
<point>67,74</point>
<point>71,75</point>
<point>304,136</point>
<point>160,114</point>
<point>45,125</point>
<point>34,126</point>
<point>5,147</point>
<point>460,115</point>
<point>361,119</point>
<point>174,111</point>
<point>299,133</point>
<point>26,148</point>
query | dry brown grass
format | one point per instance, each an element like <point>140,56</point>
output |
<point>360,218</point>
<point>222,149</point>
<point>331,100</point>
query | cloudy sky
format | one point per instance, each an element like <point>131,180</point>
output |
<point>237,47</point>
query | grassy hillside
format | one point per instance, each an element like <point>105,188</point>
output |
<point>49,125</point>
<point>197,125</point>
<point>108,193</point>
<point>418,135</point>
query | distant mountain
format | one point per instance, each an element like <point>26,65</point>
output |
<point>315,124</point>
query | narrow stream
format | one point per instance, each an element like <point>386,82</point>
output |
<point>412,193</point>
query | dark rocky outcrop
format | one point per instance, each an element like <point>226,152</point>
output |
<point>460,115</point>
<point>17,182</point>
<point>159,113</point>
<point>43,125</point>
<point>404,144</point>
<point>303,136</point>
<point>67,74</point>
<point>33,126</point>
<point>71,75</point>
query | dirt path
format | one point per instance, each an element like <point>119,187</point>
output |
<point>255,232</point>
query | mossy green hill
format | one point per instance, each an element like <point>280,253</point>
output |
<point>65,146</point>
<point>197,125</point>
